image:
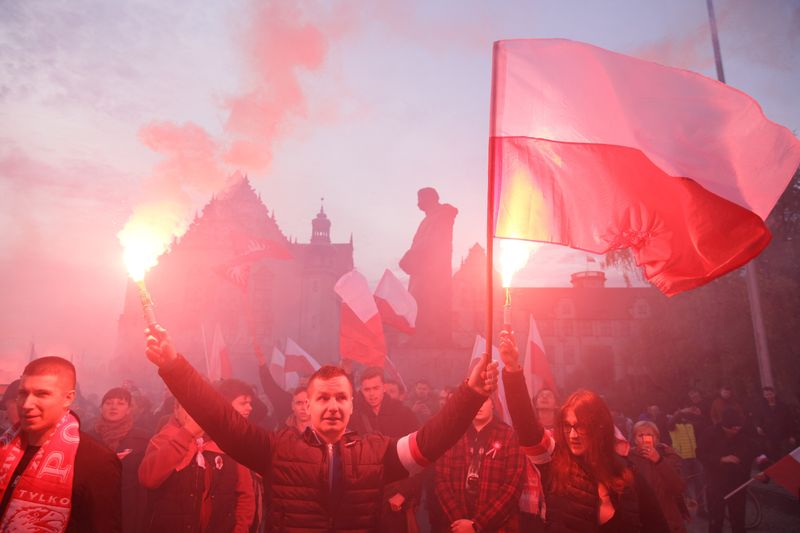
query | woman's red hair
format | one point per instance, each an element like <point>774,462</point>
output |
<point>600,460</point>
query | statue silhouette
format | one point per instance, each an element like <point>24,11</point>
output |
<point>429,264</point>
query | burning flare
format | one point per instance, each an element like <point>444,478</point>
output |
<point>144,238</point>
<point>514,255</point>
<point>147,235</point>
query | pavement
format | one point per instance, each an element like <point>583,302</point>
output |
<point>780,511</point>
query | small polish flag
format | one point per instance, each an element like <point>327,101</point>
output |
<point>298,363</point>
<point>395,304</point>
<point>360,329</point>
<point>276,367</point>
<point>786,472</point>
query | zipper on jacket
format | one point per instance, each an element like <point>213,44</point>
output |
<point>330,469</point>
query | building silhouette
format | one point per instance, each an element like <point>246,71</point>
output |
<point>201,285</point>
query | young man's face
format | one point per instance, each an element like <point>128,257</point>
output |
<point>422,390</point>
<point>42,401</point>
<point>114,409</point>
<point>243,404</point>
<point>392,390</point>
<point>725,393</point>
<point>372,389</point>
<point>300,407</point>
<point>546,400</point>
<point>769,395</point>
<point>331,404</point>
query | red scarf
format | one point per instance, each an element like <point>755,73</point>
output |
<point>42,500</point>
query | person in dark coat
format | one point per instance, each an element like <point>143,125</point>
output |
<point>194,486</point>
<point>727,452</point>
<point>115,428</point>
<point>54,477</point>
<point>326,479</point>
<point>587,486</point>
<point>775,423</point>
<point>374,411</point>
<point>660,466</point>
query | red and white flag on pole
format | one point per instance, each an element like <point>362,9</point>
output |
<point>499,397</point>
<point>678,167</point>
<point>395,304</point>
<point>786,472</point>
<point>298,360</point>
<point>218,364</point>
<point>360,329</point>
<point>536,366</point>
<point>276,367</point>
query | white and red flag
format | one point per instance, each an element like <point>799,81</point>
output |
<point>218,364</point>
<point>298,360</point>
<point>395,304</point>
<point>536,367</point>
<point>360,329</point>
<point>786,472</point>
<point>499,396</point>
<point>276,367</point>
<point>599,151</point>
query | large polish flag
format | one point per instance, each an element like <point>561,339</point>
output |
<point>600,151</point>
<point>360,329</point>
<point>395,304</point>
<point>298,363</point>
<point>536,367</point>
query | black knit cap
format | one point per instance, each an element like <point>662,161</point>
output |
<point>117,393</point>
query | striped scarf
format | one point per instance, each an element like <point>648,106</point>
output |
<point>42,498</point>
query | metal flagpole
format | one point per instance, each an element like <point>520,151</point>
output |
<point>760,334</point>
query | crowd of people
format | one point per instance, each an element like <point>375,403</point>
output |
<point>360,453</point>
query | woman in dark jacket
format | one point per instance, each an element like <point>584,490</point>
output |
<point>660,466</point>
<point>115,428</point>
<point>587,486</point>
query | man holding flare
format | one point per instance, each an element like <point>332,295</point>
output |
<point>327,478</point>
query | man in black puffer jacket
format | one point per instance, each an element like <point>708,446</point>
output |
<point>325,479</point>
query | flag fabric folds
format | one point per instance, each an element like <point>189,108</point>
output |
<point>499,396</point>
<point>218,364</point>
<point>786,472</point>
<point>276,367</point>
<point>600,151</point>
<point>298,360</point>
<point>395,304</point>
<point>535,367</point>
<point>360,329</point>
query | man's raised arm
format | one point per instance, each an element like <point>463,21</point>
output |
<point>530,432</point>
<point>244,442</point>
<point>415,451</point>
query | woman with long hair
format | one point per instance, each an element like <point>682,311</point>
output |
<point>587,486</point>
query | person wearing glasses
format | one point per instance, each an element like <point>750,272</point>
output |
<point>587,485</point>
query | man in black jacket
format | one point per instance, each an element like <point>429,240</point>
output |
<point>727,451</point>
<point>54,477</point>
<point>326,479</point>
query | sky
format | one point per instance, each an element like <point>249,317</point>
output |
<point>110,110</point>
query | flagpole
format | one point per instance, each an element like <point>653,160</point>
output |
<point>490,215</point>
<point>751,280</point>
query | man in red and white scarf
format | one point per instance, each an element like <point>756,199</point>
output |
<point>53,477</point>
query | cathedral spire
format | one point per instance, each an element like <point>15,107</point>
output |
<point>321,226</point>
